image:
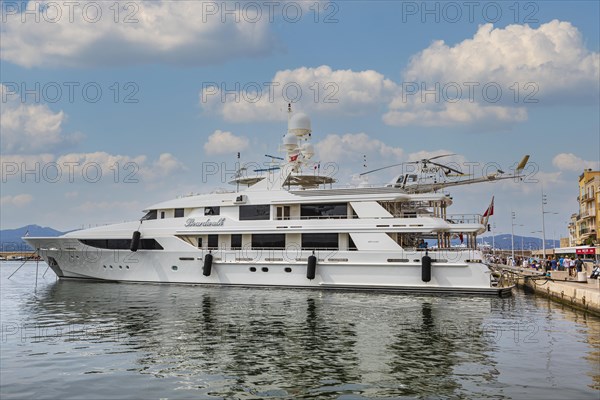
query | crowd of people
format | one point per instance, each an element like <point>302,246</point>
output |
<point>553,263</point>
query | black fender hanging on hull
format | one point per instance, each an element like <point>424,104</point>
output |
<point>135,241</point>
<point>426,268</point>
<point>207,267</point>
<point>311,267</point>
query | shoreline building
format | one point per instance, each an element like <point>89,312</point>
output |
<point>583,228</point>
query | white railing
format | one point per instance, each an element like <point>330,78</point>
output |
<point>464,218</point>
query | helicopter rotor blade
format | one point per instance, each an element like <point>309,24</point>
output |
<point>440,156</point>
<point>379,169</point>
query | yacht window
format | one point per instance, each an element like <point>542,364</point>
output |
<point>213,241</point>
<point>179,213</point>
<point>268,241</point>
<point>199,242</point>
<point>332,210</point>
<point>121,244</point>
<point>212,210</point>
<point>236,241</point>
<point>149,215</point>
<point>283,212</point>
<point>255,212</point>
<point>320,241</point>
<point>162,215</point>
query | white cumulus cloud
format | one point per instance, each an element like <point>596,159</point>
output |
<point>224,142</point>
<point>320,89</point>
<point>26,128</point>
<point>494,76</point>
<point>92,33</point>
<point>167,164</point>
<point>353,146</point>
<point>570,162</point>
<point>88,167</point>
<point>19,200</point>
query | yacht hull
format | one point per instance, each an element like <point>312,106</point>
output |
<point>458,272</point>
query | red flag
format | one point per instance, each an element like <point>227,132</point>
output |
<point>490,209</point>
<point>294,157</point>
<point>462,239</point>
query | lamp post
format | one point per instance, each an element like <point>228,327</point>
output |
<point>544,202</point>
<point>493,238</point>
<point>512,234</point>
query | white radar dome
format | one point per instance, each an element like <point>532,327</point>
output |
<point>290,141</point>
<point>307,150</point>
<point>299,124</point>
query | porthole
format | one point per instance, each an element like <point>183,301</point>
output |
<point>288,269</point>
<point>252,269</point>
<point>104,266</point>
<point>110,266</point>
<point>127,267</point>
<point>120,267</point>
<point>265,269</point>
<point>174,267</point>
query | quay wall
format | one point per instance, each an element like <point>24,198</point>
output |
<point>581,295</point>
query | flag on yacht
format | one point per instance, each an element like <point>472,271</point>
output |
<point>490,209</point>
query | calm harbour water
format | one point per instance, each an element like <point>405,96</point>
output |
<point>76,340</point>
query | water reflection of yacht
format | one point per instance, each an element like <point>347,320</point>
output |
<point>293,340</point>
<point>288,228</point>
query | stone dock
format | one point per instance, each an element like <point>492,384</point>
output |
<point>583,295</point>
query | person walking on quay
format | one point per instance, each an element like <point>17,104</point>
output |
<point>579,265</point>
<point>570,266</point>
<point>561,264</point>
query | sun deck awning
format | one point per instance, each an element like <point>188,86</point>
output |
<point>308,181</point>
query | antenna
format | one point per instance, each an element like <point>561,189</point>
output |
<point>238,173</point>
<point>275,157</point>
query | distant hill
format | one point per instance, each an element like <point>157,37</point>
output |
<point>503,242</point>
<point>10,239</point>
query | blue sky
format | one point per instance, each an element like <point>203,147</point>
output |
<point>367,57</point>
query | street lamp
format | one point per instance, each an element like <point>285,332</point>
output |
<point>544,202</point>
<point>512,234</point>
<point>493,237</point>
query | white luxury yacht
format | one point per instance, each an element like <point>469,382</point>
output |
<point>289,229</point>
